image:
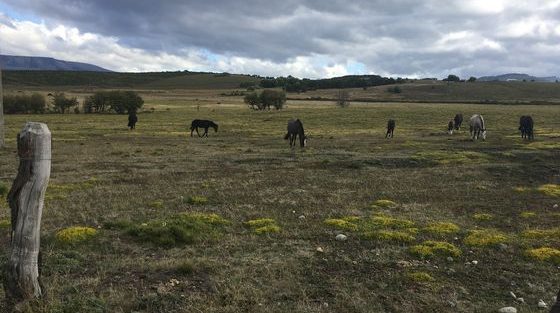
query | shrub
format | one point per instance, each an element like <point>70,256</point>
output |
<point>266,99</point>
<point>394,89</point>
<point>118,101</point>
<point>75,234</point>
<point>24,104</point>
<point>62,104</point>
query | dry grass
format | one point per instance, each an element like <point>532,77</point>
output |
<point>247,172</point>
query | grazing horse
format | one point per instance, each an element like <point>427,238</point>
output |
<point>458,120</point>
<point>450,127</point>
<point>203,124</point>
<point>390,128</point>
<point>526,126</point>
<point>477,127</point>
<point>295,129</point>
<point>132,119</point>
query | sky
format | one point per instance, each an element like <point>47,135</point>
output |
<point>307,38</point>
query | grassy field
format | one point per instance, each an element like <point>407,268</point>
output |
<point>239,222</point>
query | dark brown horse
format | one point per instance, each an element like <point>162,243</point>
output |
<point>195,124</point>
<point>390,129</point>
<point>295,129</point>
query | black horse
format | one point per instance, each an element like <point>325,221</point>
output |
<point>195,124</point>
<point>295,129</point>
<point>390,128</point>
<point>526,127</point>
<point>458,120</point>
<point>132,119</point>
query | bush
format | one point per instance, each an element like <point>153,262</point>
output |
<point>23,104</point>
<point>117,101</point>
<point>62,104</point>
<point>394,89</point>
<point>266,99</point>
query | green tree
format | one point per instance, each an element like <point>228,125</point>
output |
<point>62,104</point>
<point>342,97</point>
<point>452,78</point>
<point>472,79</point>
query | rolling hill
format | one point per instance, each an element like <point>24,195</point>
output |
<point>26,63</point>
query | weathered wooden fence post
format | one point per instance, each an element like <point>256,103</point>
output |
<point>21,276</point>
<point>1,112</point>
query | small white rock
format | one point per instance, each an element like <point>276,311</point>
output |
<point>449,259</point>
<point>508,309</point>
<point>301,217</point>
<point>542,304</point>
<point>341,237</point>
<point>555,206</point>
<point>319,249</point>
<point>512,295</point>
<point>520,300</point>
<point>475,262</point>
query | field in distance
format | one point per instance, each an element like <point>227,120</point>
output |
<point>239,222</point>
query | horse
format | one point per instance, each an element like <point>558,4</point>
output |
<point>526,127</point>
<point>390,128</point>
<point>132,119</point>
<point>295,129</point>
<point>195,124</point>
<point>450,127</point>
<point>458,120</point>
<point>477,127</point>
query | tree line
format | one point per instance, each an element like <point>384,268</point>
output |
<point>116,101</point>
<point>293,84</point>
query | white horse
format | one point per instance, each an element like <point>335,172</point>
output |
<point>477,127</point>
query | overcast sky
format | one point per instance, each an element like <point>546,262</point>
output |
<point>322,38</point>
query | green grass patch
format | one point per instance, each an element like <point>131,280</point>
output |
<point>197,200</point>
<point>341,223</point>
<point>390,235</point>
<point>551,234</point>
<point>262,226</point>
<point>383,203</point>
<point>452,157</point>
<point>485,238</point>
<point>383,220</point>
<point>483,216</point>
<point>527,214</point>
<point>156,204</point>
<point>420,277</point>
<point>179,229</point>
<point>551,190</point>
<point>75,234</point>
<point>442,228</point>
<point>5,223</point>
<point>61,191</point>
<point>429,249</point>
<point>545,254</point>
<point>3,189</point>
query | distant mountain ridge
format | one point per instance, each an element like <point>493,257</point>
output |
<point>26,63</point>
<point>517,77</point>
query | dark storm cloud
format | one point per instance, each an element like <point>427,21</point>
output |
<point>390,37</point>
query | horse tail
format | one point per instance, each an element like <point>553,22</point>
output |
<point>482,122</point>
